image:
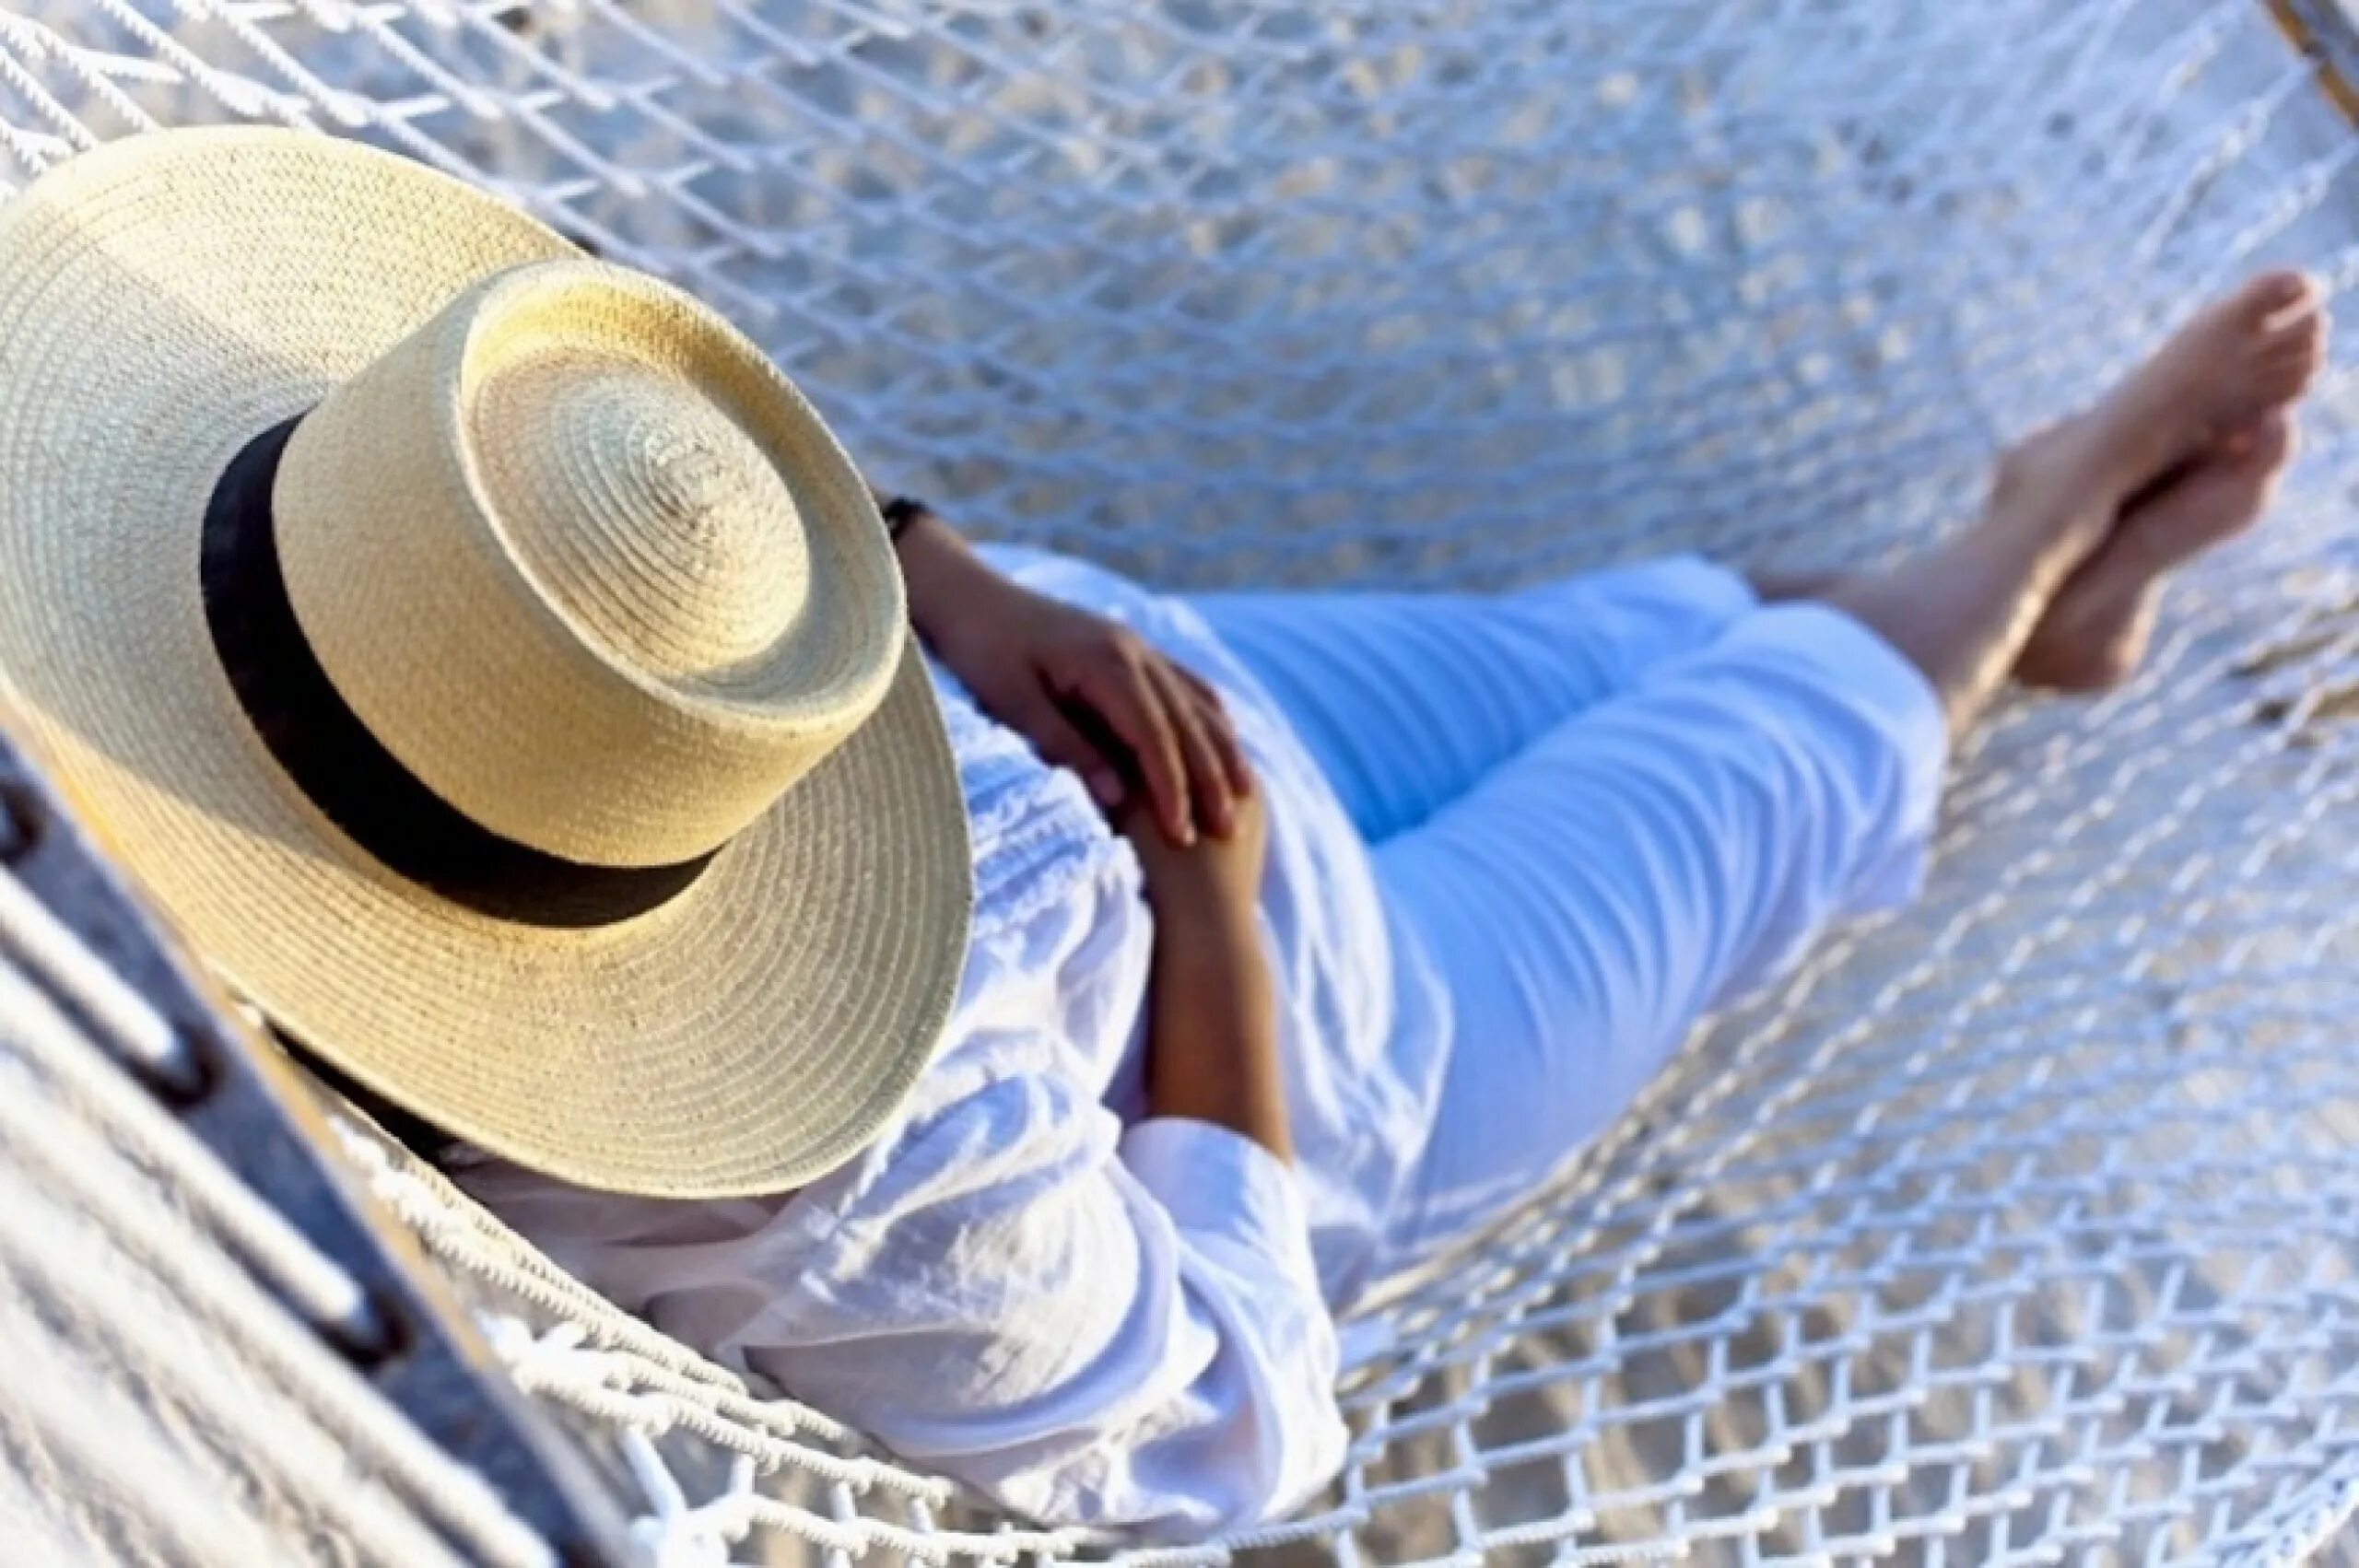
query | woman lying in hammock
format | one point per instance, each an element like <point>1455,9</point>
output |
<point>529,731</point>
<point>1403,899</point>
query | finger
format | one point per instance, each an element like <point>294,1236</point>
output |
<point>1207,777</point>
<point>1123,695</point>
<point>1222,731</point>
<point>1201,686</point>
<point>1061,744</point>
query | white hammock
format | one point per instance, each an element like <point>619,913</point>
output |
<point>2019,1229</point>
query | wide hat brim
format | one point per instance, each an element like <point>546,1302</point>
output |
<point>165,300</point>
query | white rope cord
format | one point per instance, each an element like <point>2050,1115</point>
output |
<point>144,1288</point>
<point>122,1022</point>
<point>446,1222</point>
<point>2019,1229</point>
<point>78,1452</point>
<point>595,1361</point>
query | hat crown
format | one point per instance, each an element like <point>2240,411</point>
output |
<point>252,545</point>
<point>644,513</point>
<point>589,567</point>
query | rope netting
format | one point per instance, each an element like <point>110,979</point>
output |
<point>173,1392</point>
<point>2017,1229</point>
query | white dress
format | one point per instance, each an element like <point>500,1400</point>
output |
<point>1517,846</point>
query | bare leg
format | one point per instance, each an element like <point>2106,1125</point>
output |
<point>1965,611</point>
<point>2096,628</point>
<point>1776,587</point>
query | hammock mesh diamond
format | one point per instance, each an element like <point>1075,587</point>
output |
<point>2018,1229</point>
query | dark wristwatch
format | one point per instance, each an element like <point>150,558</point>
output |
<point>899,512</point>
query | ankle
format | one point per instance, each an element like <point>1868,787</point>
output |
<point>2052,500</point>
<point>2039,549</point>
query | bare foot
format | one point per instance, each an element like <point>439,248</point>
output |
<point>2241,359</point>
<point>2095,629</point>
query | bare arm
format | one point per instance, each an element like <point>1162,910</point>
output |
<point>1211,1011</point>
<point>1089,695</point>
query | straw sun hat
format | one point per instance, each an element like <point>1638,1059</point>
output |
<point>487,657</point>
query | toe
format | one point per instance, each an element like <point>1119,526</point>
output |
<point>2302,335</point>
<point>2276,298</point>
<point>2278,371</point>
<point>2287,364</point>
<point>2281,382</point>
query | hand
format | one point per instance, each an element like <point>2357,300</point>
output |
<point>1211,887</point>
<point>1088,693</point>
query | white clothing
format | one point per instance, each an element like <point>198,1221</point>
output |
<point>1517,846</point>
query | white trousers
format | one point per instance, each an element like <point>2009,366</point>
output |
<point>1601,809</point>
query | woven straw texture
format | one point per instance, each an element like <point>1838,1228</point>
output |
<point>546,517</point>
<point>170,300</point>
<point>2020,1229</point>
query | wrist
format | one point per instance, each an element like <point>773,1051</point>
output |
<point>942,575</point>
<point>1212,1038</point>
<point>1206,932</point>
